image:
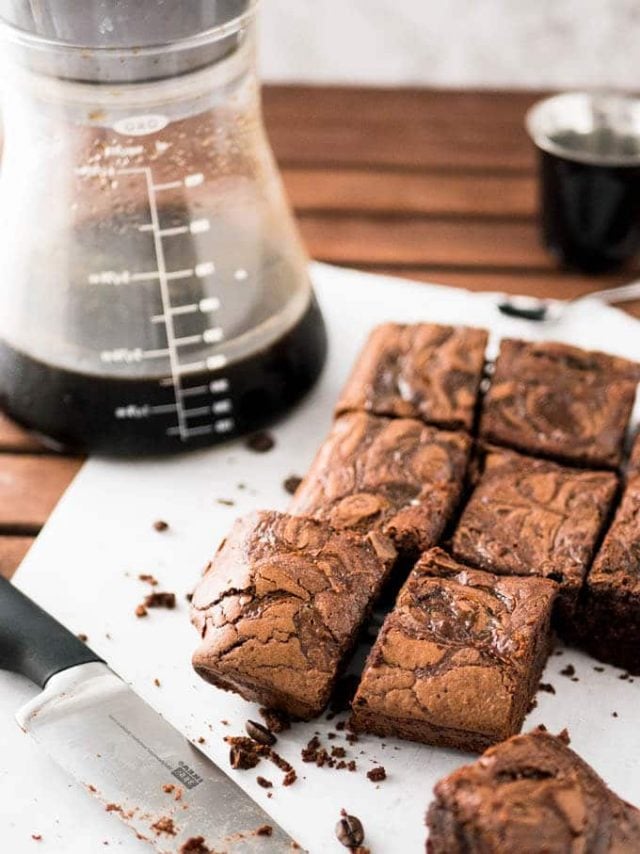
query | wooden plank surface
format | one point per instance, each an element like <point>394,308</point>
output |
<point>430,185</point>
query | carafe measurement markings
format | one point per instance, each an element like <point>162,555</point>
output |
<point>184,397</point>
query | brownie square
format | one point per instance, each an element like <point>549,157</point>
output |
<point>609,625</point>
<point>534,517</point>
<point>458,661</point>
<point>530,794</point>
<point>560,402</point>
<point>397,476</point>
<point>420,371</point>
<point>281,605</point>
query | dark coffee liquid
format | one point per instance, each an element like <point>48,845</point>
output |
<point>590,212</point>
<point>140,416</point>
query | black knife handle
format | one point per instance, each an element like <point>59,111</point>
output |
<point>32,643</point>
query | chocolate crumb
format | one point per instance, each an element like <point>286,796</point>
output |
<point>260,733</point>
<point>141,611</point>
<point>264,830</point>
<point>262,781</point>
<point>260,442</point>
<point>352,738</point>
<point>189,597</point>
<point>156,682</point>
<point>82,637</point>
<point>226,502</point>
<point>168,788</point>
<point>569,671</point>
<point>349,831</point>
<point>340,725</point>
<point>338,752</point>
<point>351,766</point>
<point>224,723</point>
<point>195,845</point>
<point>148,579</point>
<point>164,825</point>
<point>202,740</point>
<point>289,778</point>
<point>614,714</point>
<point>160,525</point>
<point>92,788</point>
<point>37,837</point>
<point>377,775</point>
<point>275,721</point>
<point>598,669</point>
<point>623,676</point>
<point>547,687</point>
<point>242,759</point>
<point>160,600</point>
<point>292,483</point>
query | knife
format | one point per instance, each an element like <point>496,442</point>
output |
<point>121,750</point>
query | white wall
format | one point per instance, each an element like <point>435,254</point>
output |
<point>467,43</point>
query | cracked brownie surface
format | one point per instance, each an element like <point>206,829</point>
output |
<point>459,659</point>
<point>560,402</point>
<point>609,626</point>
<point>395,475</point>
<point>531,794</point>
<point>281,605</point>
<point>421,371</point>
<point>533,517</point>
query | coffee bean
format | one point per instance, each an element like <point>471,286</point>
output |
<point>349,831</point>
<point>260,733</point>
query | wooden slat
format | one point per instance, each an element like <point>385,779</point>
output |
<point>30,487</point>
<point>400,241</point>
<point>12,551</point>
<point>406,128</point>
<point>14,439</point>
<point>365,190</point>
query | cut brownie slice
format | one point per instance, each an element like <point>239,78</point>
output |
<point>458,661</point>
<point>609,625</point>
<point>560,402</point>
<point>531,794</point>
<point>281,605</point>
<point>394,475</point>
<point>422,371</point>
<point>534,517</point>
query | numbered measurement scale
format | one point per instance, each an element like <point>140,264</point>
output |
<point>154,295</point>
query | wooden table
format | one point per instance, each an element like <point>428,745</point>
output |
<point>437,186</point>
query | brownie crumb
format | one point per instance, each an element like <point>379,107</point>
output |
<point>148,579</point>
<point>91,788</point>
<point>37,837</point>
<point>168,788</point>
<point>547,687</point>
<point>164,825</point>
<point>260,442</point>
<point>598,669</point>
<point>352,738</point>
<point>160,600</point>
<point>262,781</point>
<point>195,845</point>
<point>349,831</point>
<point>564,736</point>
<point>341,725</point>
<point>264,830</point>
<point>291,484</point>
<point>189,597</point>
<point>226,502</point>
<point>82,637</point>
<point>242,759</point>
<point>113,808</point>
<point>260,733</point>
<point>377,775</point>
<point>160,525</point>
<point>338,752</point>
<point>289,778</point>
<point>275,721</point>
<point>351,766</point>
<point>202,740</point>
<point>141,611</point>
<point>156,682</point>
<point>623,676</point>
<point>569,671</point>
<point>614,714</point>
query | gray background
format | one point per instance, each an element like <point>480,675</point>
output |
<point>467,43</point>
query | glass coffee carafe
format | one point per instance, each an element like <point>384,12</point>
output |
<point>154,295</point>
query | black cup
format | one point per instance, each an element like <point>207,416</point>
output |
<point>589,154</point>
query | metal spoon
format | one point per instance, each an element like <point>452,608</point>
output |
<point>546,310</point>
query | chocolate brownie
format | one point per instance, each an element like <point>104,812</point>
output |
<point>281,605</point>
<point>560,402</point>
<point>422,371</point>
<point>531,794</point>
<point>458,661</point>
<point>394,475</point>
<point>633,468</point>
<point>609,625</point>
<point>534,517</point>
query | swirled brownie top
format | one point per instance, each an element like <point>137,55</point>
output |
<point>280,606</point>
<point>534,517</point>
<point>531,793</point>
<point>423,371</point>
<point>560,402</point>
<point>395,475</point>
<point>458,660</point>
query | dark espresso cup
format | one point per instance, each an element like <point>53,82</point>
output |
<point>589,155</point>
